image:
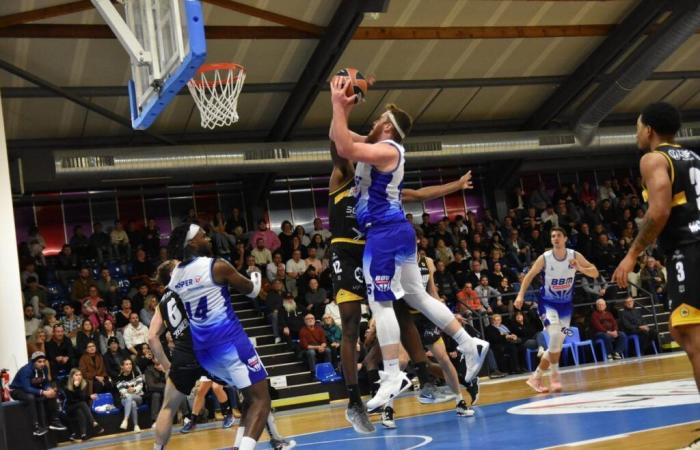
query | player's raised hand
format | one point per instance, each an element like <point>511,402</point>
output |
<point>339,95</point>
<point>466,181</point>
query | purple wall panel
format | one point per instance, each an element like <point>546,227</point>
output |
<point>321,201</point>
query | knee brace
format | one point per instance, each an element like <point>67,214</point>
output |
<point>556,337</point>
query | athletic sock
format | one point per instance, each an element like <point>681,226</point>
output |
<point>464,341</point>
<point>391,366</point>
<point>354,394</point>
<point>239,437</point>
<point>554,367</point>
<point>539,372</point>
<point>422,372</point>
<point>247,443</point>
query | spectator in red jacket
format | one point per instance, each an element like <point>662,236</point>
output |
<point>605,328</point>
<point>312,340</point>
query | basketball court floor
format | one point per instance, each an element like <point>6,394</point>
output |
<point>634,403</point>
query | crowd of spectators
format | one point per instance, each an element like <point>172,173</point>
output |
<point>89,307</point>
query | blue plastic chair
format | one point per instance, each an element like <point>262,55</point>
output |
<point>105,399</point>
<point>530,355</point>
<point>634,340</point>
<point>574,338</point>
<point>325,373</point>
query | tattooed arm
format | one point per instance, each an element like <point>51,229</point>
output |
<point>655,172</point>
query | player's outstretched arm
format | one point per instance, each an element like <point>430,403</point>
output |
<point>654,169</point>
<point>155,330</point>
<point>224,272</point>
<point>584,266</point>
<point>431,192</point>
<point>536,268</point>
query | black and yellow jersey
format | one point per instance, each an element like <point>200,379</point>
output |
<point>683,226</point>
<point>341,215</point>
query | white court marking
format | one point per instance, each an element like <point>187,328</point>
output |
<point>426,440</point>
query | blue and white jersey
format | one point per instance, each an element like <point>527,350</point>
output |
<point>379,193</point>
<point>208,304</point>
<point>559,278</point>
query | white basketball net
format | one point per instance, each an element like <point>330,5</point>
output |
<point>216,94</point>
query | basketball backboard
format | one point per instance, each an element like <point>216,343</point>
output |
<point>166,44</point>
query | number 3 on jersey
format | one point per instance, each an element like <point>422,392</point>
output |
<point>201,312</point>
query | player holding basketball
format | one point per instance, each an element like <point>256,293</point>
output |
<point>389,260</point>
<point>671,178</point>
<point>347,246</point>
<point>558,267</point>
<point>184,370</point>
<point>220,344</point>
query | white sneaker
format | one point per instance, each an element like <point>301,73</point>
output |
<point>137,429</point>
<point>124,425</point>
<point>475,358</point>
<point>278,340</point>
<point>389,387</point>
<point>540,351</point>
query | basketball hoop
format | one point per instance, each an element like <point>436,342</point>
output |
<point>215,89</point>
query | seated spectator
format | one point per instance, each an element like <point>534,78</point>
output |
<point>139,298</point>
<point>86,334</point>
<point>297,245</point>
<point>122,316</point>
<point>262,255</point>
<point>240,256</point>
<point>604,326</point>
<point>272,270</point>
<point>101,315</point>
<point>518,251</point>
<point>78,396</point>
<point>653,279</point>
<point>507,296</point>
<point>270,239</point>
<point>291,320</point>
<point>155,387</point>
<point>250,266</point>
<point>490,297</point>
<point>443,252</point>
<point>31,322</point>
<point>149,311</point>
<point>121,247</point>
<point>88,305</point>
<point>37,342</point>
<point>295,269</point>
<point>144,358</point>
<point>596,288</point>
<point>100,243</point>
<point>80,243</point>
<point>445,283</point>
<point>107,332</point>
<point>478,271</point>
<point>71,322</point>
<point>31,386</point>
<point>135,334</point>
<point>151,239</point>
<point>605,255</point>
<point>94,370</point>
<point>113,357</point>
<point>108,288</point>
<point>67,267</point>
<point>530,335</point>
<point>333,310</point>
<point>632,322</point>
<point>316,298</point>
<point>333,336</point>
<point>60,353</point>
<point>35,295</point>
<point>459,268</point>
<point>505,344</point>
<point>49,321</point>
<point>81,285</point>
<point>313,260</point>
<point>129,382</point>
<point>273,307</point>
<point>468,302</point>
<point>143,268</point>
<point>319,244</point>
<point>312,341</point>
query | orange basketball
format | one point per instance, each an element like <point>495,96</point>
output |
<point>358,84</point>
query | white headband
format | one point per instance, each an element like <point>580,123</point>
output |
<point>191,233</point>
<point>396,125</point>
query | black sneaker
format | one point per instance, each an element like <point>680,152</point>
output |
<point>40,431</point>
<point>463,410</point>
<point>84,437</point>
<point>282,444</point>
<point>74,437</point>
<point>695,444</point>
<point>56,425</point>
<point>473,390</point>
<point>388,417</point>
